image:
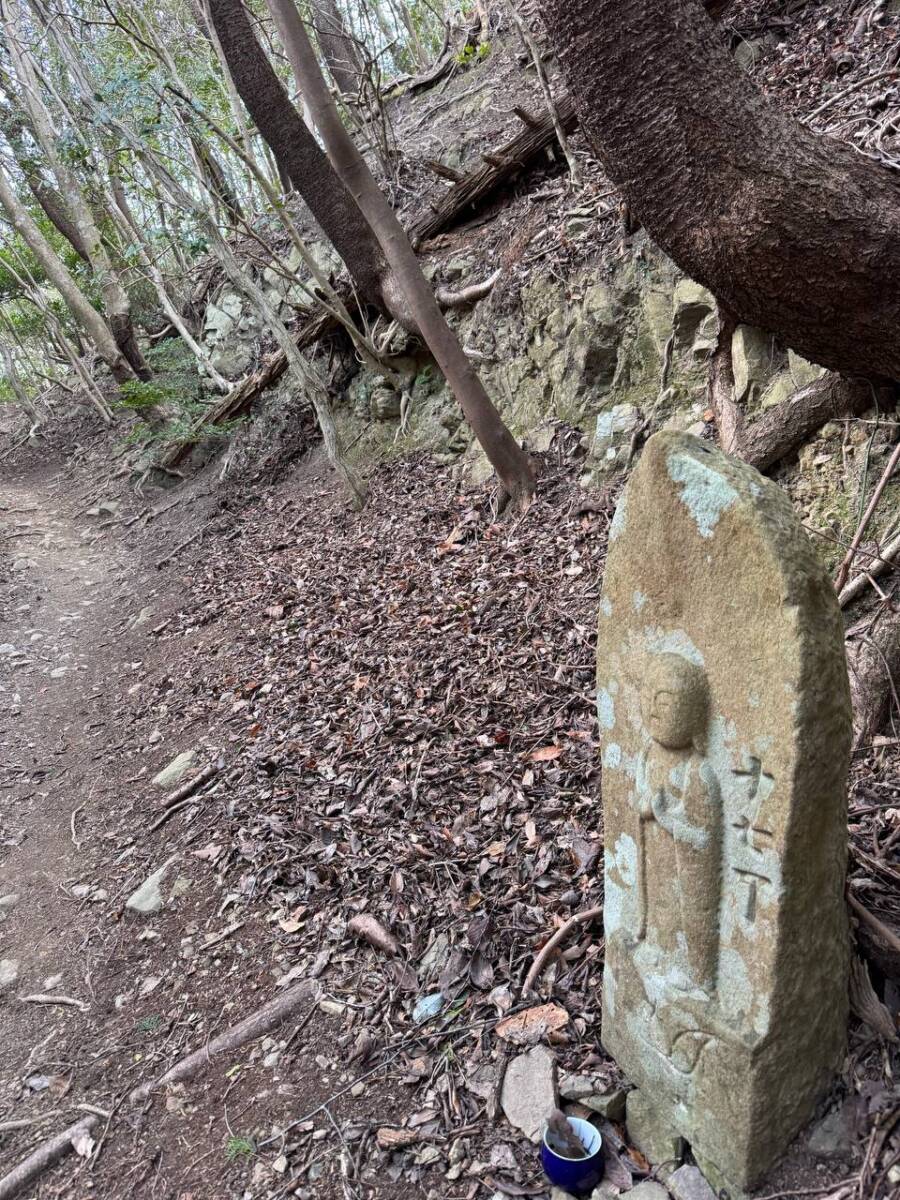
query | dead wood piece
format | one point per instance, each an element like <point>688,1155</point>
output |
<point>366,927</point>
<point>886,474</point>
<point>783,428</point>
<point>526,117</point>
<point>263,1021</point>
<point>191,786</point>
<point>876,567</point>
<point>241,398</point>
<point>866,1005</point>
<point>481,183</point>
<point>49,998</point>
<point>444,172</point>
<point>887,935</point>
<point>540,962</point>
<point>728,413</point>
<point>466,295</point>
<point>873,661</point>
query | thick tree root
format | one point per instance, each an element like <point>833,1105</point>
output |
<point>49,1153</point>
<point>780,430</point>
<point>873,660</point>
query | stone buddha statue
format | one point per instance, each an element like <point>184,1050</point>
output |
<point>679,807</point>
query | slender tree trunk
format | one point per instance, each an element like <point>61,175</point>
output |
<point>13,125</point>
<point>295,147</point>
<point>793,231</point>
<point>413,292</point>
<point>115,298</point>
<point>82,310</point>
<point>337,45</point>
<point>18,389</point>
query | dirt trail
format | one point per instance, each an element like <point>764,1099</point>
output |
<point>62,594</point>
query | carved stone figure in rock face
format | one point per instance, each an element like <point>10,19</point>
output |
<point>679,807</point>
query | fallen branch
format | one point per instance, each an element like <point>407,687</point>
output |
<point>887,935</point>
<point>263,1021</point>
<point>467,295</point>
<point>481,183</point>
<point>875,568</point>
<point>191,786</point>
<point>540,962</point>
<point>49,998</point>
<point>886,474</point>
<point>240,398</point>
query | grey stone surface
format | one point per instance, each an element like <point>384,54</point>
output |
<point>648,1190</point>
<point>831,1138</point>
<point>9,973</point>
<point>687,1183</point>
<point>529,1091</point>
<point>176,769</point>
<point>148,898</point>
<point>725,719</point>
<point>652,1131</point>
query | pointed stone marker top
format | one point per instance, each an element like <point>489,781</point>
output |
<point>724,714</point>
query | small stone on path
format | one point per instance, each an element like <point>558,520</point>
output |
<point>688,1183</point>
<point>176,769</point>
<point>529,1091</point>
<point>830,1138</point>
<point>7,904</point>
<point>9,972</point>
<point>148,897</point>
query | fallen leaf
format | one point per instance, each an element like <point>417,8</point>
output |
<point>545,753</point>
<point>530,1027</point>
<point>395,1139</point>
<point>366,927</point>
<point>209,853</point>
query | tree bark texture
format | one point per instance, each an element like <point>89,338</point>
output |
<point>793,231</point>
<point>873,661</point>
<point>337,46</point>
<point>781,429</point>
<point>295,147</point>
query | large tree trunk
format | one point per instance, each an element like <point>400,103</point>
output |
<point>80,307</point>
<point>406,288</point>
<point>295,147</point>
<point>793,231</point>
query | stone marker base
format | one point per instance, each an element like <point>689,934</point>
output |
<point>659,1141</point>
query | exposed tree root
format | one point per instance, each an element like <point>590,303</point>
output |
<point>540,962</point>
<point>780,430</point>
<point>873,660</point>
<point>467,295</point>
<point>49,1153</point>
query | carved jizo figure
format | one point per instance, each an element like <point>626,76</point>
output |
<point>679,806</point>
<point>724,713</point>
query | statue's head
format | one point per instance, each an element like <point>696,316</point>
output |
<point>675,701</point>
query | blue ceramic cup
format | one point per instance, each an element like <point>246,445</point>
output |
<point>576,1175</point>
